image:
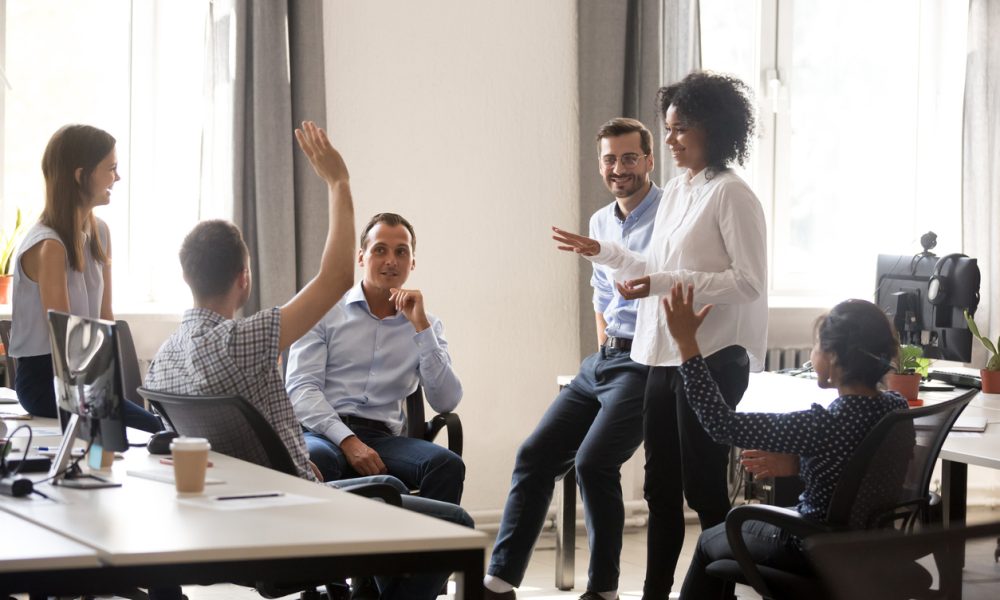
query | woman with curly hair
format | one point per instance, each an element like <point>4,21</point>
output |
<point>709,232</point>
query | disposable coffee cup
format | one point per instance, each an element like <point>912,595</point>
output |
<point>190,462</point>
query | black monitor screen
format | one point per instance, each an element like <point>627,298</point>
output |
<point>904,290</point>
<point>87,379</point>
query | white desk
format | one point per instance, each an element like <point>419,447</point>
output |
<point>962,450</point>
<point>28,547</point>
<point>145,535</point>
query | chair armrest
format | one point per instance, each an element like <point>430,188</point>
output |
<point>454,426</point>
<point>378,491</point>
<point>789,520</point>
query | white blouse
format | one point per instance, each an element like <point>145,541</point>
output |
<point>709,233</point>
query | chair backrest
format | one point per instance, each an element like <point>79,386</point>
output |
<point>416,426</point>
<point>883,565</point>
<point>129,361</point>
<point>230,423</point>
<point>892,466</point>
<point>10,361</point>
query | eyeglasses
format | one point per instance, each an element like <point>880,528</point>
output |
<point>628,160</point>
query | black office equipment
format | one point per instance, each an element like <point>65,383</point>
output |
<point>159,443</point>
<point>925,297</point>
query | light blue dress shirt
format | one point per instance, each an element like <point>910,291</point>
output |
<point>633,232</point>
<point>353,363</point>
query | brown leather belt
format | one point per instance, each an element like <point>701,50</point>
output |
<point>617,343</point>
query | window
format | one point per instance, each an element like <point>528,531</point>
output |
<point>143,71</point>
<point>860,112</point>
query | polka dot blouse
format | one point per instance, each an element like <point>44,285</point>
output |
<point>824,438</point>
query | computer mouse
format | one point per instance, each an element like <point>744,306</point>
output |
<point>159,442</point>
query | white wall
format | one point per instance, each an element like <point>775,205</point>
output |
<point>462,116</point>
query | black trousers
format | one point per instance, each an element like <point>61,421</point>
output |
<point>682,462</point>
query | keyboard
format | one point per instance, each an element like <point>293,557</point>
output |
<point>963,378</point>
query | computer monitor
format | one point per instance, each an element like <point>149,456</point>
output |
<point>87,380</point>
<point>925,295</point>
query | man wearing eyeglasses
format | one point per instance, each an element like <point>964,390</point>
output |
<point>596,421</point>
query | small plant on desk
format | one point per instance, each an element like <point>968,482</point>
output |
<point>912,361</point>
<point>912,367</point>
<point>991,374</point>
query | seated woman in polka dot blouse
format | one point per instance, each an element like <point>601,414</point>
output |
<point>855,347</point>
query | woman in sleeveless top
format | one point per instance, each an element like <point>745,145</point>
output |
<point>64,262</point>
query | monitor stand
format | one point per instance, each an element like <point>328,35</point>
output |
<point>62,473</point>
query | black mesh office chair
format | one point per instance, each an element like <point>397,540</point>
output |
<point>884,484</point>
<point>237,429</point>
<point>879,565</point>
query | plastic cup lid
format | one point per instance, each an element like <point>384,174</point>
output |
<point>190,443</point>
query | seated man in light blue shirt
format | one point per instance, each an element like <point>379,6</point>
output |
<point>348,377</point>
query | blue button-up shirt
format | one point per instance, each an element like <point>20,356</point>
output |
<point>353,363</point>
<point>634,233</point>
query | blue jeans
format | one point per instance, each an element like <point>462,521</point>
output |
<point>596,423</point>
<point>437,472</point>
<point>35,392</point>
<point>683,462</point>
<point>768,545</point>
<point>419,586</point>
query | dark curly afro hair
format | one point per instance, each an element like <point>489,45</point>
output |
<point>722,106</point>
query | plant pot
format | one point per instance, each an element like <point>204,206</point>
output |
<point>907,385</point>
<point>5,281</point>
<point>991,381</point>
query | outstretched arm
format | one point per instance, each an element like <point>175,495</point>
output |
<point>624,263</point>
<point>336,270</point>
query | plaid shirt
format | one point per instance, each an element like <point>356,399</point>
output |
<point>212,355</point>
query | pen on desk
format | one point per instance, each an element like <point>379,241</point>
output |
<point>249,496</point>
<point>169,461</point>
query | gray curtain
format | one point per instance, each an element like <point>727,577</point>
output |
<point>627,50</point>
<point>981,162</point>
<point>279,203</point>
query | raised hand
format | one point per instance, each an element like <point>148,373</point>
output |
<point>411,304</point>
<point>635,288</point>
<point>325,160</point>
<point>682,321</point>
<point>571,242</point>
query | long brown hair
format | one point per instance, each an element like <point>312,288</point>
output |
<point>73,147</point>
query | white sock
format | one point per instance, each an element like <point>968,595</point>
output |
<point>499,586</point>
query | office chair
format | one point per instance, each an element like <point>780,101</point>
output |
<point>10,363</point>
<point>877,565</point>
<point>884,484</point>
<point>417,427</point>
<point>235,428</point>
<point>129,362</point>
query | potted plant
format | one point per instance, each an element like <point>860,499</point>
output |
<point>9,241</point>
<point>912,368</point>
<point>991,374</point>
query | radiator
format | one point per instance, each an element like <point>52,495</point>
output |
<point>785,358</point>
